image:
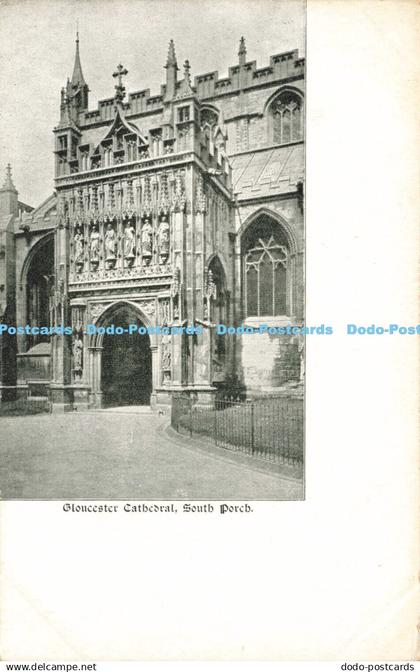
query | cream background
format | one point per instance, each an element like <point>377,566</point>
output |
<point>330,578</point>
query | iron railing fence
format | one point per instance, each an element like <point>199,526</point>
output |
<point>271,428</point>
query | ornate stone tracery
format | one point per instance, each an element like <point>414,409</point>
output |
<point>287,111</point>
<point>166,359</point>
<point>200,196</point>
<point>113,234</point>
<point>163,240</point>
<point>96,309</point>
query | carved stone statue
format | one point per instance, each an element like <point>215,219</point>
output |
<point>94,244</point>
<point>110,243</point>
<point>77,354</point>
<point>129,241</point>
<point>166,359</point>
<point>163,239</point>
<point>78,246</point>
<point>147,239</point>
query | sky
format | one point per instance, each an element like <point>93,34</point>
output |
<point>37,46</point>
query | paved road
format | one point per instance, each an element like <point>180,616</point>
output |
<point>108,455</point>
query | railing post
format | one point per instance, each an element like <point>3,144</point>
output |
<point>252,429</point>
<point>215,423</point>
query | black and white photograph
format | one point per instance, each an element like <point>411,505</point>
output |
<point>209,335</point>
<point>152,268</point>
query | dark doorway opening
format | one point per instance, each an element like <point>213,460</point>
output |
<point>39,282</point>
<point>126,364</point>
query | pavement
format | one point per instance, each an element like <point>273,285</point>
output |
<point>124,454</point>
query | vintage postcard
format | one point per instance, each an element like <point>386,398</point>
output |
<point>208,331</point>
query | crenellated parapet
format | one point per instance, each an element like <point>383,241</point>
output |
<point>244,76</point>
<point>212,118</point>
<point>283,66</point>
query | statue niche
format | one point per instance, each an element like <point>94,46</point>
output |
<point>94,246</point>
<point>129,243</point>
<point>110,246</point>
<point>147,241</point>
<point>77,358</point>
<point>166,359</point>
<point>79,249</point>
<point>163,240</point>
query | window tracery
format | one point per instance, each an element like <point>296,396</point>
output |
<point>208,117</point>
<point>266,270</point>
<point>287,118</point>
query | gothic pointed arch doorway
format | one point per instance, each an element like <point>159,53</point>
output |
<point>126,363</point>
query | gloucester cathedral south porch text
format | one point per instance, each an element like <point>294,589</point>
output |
<point>176,209</point>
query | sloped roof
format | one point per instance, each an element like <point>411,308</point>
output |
<point>267,172</point>
<point>47,208</point>
<point>120,120</point>
<point>44,216</point>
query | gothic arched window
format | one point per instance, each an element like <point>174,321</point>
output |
<point>208,117</point>
<point>265,270</point>
<point>215,308</point>
<point>287,118</point>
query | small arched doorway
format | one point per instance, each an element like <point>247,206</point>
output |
<point>126,376</point>
<point>39,281</point>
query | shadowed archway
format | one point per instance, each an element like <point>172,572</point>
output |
<point>126,377</point>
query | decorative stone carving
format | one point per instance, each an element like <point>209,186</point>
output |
<point>94,245</point>
<point>110,246</point>
<point>96,309</point>
<point>164,198</point>
<point>160,272</point>
<point>57,299</point>
<point>94,198</point>
<point>77,357</point>
<point>148,307</point>
<point>129,243</point>
<point>147,198</point>
<point>200,196</point>
<point>80,200</point>
<point>111,196</point>
<point>163,237</point>
<point>77,318</point>
<point>164,311</point>
<point>130,196</point>
<point>79,243</point>
<point>210,291</point>
<point>166,359</point>
<point>147,240</point>
<point>179,198</point>
<point>175,292</point>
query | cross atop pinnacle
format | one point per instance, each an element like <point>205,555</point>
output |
<point>171,60</point>
<point>120,72</point>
